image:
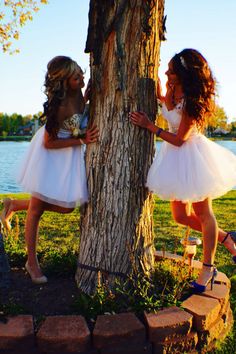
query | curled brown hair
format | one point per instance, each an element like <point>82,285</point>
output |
<point>198,84</point>
<point>59,70</point>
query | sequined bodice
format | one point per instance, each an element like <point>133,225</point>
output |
<point>72,122</point>
<point>69,126</point>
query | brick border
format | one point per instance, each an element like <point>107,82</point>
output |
<point>203,320</point>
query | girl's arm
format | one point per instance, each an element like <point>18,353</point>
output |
<point>91,136</point>
<point>184,131</point>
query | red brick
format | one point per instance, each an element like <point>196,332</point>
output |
<point>64,334</point>
<point>160,255</point>
<point>177,258</point>
<point>112,330</point>
<point>226,329</point>
<point>18,333</point>
<point>182,344</point>
<point>205,310</point>
<point>219,292</point>
<point>128,349</point>
<point>213,332</point>
<point>168,323</point>
<point>22,350</point>
<point>221,278</point>
<point>226,312</point>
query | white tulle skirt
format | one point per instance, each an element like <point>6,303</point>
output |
<point>55,176</point>
<point>193,172</point>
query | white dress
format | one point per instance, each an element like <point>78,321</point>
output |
<point>194,171</point>
<point>56,176</point>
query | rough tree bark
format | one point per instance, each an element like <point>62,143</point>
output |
<point>116,230</point>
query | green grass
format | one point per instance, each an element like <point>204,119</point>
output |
<point>168,236</point>
<point>168,233</point>
<point>59,241</point>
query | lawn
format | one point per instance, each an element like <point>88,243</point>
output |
<point>59,240</point>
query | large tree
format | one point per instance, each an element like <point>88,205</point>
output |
<point>116,227</point>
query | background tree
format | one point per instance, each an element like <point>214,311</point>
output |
<point>217,120</point>
<point>13,15</point>
<point>117,232</point>
<point>10,124</point>
<point>233,125</point>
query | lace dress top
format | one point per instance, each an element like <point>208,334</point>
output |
<point>173,117</point>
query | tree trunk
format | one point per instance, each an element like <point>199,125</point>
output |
<point>116,228</point>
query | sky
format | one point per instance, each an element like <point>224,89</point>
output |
<point>60,28</point>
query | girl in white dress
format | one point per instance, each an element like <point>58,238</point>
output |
<point>53,170</point>
<point>191,169</point>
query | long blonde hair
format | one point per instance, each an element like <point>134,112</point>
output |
<point>59,70</point>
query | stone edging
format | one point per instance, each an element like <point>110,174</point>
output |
<point>203,320</point>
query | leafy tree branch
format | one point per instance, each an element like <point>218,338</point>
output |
<point>13,15</point>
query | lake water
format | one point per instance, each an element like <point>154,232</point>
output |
<point>12,152</point>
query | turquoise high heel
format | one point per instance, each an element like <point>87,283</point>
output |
<point>202,288</point>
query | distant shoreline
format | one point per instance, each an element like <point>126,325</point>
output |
<point>16,138</point>
<point>29,137</point>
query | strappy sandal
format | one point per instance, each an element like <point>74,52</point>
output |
<point>198,288</point>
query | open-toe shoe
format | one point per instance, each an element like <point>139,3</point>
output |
<point>199,288</point>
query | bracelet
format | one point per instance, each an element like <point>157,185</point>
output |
<point>159,132</point>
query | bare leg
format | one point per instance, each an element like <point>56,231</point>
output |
<point>35,211</point>
<point>204,212</point>
<point>180,215</point>
<point>16,205</point>
<point>9,207</point>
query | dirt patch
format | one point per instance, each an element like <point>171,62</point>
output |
<point>53,298</point>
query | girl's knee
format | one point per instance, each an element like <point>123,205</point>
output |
<point>204,215</point>
<point>180,218</point>
<point>36,207</point>
<point>179,213</point>
<point>203,210</point>
<point>35,212</point>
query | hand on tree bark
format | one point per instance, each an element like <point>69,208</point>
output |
<point>140,119</point>
<point>92,135</point>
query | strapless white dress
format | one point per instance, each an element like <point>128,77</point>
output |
<point>194,171</point>
<point>56,176</point>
